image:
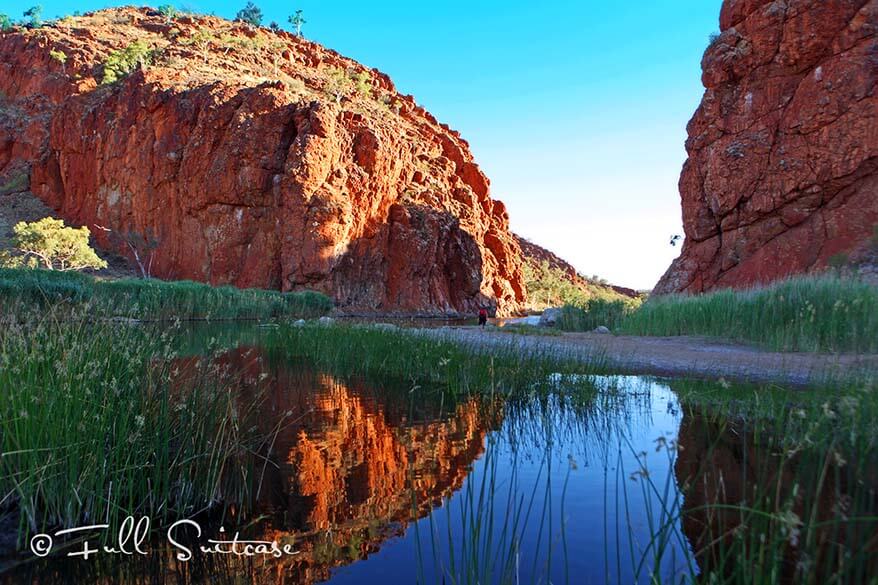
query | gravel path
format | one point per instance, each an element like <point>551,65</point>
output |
<point>679,356</point>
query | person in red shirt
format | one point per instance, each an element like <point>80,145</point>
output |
<point>483,317</point>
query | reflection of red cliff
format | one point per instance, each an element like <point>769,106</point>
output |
<point>352,463</point>
<point>230,150</point>
<point>349,464</point>
<point>783,151</point>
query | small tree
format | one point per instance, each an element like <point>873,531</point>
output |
<point>297,20</point>
<point>168,11</point>
<point>142,246</point>
<point>5,23</point>
<point>122,62</point>
<point>33,17</point>
<point>250,14</point>
<point>339,85</point>
<point>49,244</point>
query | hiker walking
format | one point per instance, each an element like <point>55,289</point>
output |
<point>483,317</point>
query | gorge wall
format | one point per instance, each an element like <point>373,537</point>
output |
<point>241,155</point>
<point>782,172</point>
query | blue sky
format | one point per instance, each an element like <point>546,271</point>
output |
<point>576,110</point>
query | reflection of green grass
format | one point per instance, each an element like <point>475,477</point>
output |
<point>102,421</point>
<point>809,313</point>
<point>778,483</point>
<point>421,361</point>
<point>152,299</point>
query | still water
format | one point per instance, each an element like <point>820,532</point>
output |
<point>389,483</point>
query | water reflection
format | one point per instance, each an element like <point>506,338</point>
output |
<point>397,484</point>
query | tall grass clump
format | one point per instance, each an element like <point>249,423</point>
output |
<point>100,421</point>
<point>596,313</point>
<point>813,313</point>
<point>152,299</point>
<point>421,361</point>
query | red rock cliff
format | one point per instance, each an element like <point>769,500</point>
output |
<point>783,151</point>
<point>253,158</point>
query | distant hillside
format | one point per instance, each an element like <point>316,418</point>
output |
<point>552,281</point>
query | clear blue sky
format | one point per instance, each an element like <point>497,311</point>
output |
<point>576,110</point>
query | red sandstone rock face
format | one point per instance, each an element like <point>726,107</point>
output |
<point>233,153</point>
<point>783,151</point>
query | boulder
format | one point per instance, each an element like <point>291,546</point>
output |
<point>550,317</point>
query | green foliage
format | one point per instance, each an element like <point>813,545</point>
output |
<point>447,366</point>
<point>59,56</point>
<point>548,287</point>
<point>594,313</point>
<point>16,184</point>
<point>808,313</point>
<point>33,17</point>
<point>338,84</point>
<point>552,287</point>
<point>24,290</point>
<point>110,414</point>
<point>168,11</point>
<point>5,23</point>
<point>838,261</point>
<point>362,82</point>
<point>122,62</point>
<point>297,20</point>
<point>201,40</point>
<point>251,14</point>
<point>49,244</point>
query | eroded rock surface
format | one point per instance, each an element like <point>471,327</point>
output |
<point>783,152</point>
<point>248,157</point>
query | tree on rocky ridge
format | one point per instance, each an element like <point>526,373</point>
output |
<point>297,20</point>
<point>5,23</point>
<point>33,16</point>
<point>250,14</point>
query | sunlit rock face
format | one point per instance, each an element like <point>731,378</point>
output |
<point>782,172</point>
<point>243,159</point>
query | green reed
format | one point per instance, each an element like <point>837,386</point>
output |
<point>807,313</point>
<point>101,421</point>
<point>775,486</point>
<point>426,362</point>
<point>814,313</point>
<point>152,299</point>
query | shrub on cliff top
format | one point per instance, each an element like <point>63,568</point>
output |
<point>168,11</point>
<point>251,14</point>
<point>122,62</point>
<point>5,23</point>
<point>33,17</point>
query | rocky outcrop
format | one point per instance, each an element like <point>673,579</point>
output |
<point>782,172</point>
<point>250,157</point>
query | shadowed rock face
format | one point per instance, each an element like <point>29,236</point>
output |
<point>783,151</point>
<point>234,152</point>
